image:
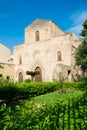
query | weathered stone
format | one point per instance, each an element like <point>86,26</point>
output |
<point>46,48</point>
<point>43,41</point>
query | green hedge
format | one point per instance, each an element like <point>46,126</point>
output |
<point>62,115</point>
<point>15,91</point>
<point>80,85</point>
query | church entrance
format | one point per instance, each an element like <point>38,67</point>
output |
<point>38,78</point>
<point>20,77</point>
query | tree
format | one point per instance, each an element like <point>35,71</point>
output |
<point>81,52</point>
<point>32,74</point>
<point>84,31</point>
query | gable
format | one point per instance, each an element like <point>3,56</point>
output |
<point>46,29</point>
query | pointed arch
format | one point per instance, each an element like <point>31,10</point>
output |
<point>38,78</point>
<point>38,65</point>
<point>19,75</point>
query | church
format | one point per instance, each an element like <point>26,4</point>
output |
<point>46,49</point>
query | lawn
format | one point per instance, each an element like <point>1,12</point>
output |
<point>54,97</point>
<point>62,108</point>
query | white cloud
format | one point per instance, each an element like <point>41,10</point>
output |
<point>76,29</point>
<point>78,18</point>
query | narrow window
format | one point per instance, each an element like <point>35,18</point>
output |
<point>37,35</point>
<point>20,60</point>
<point>59,56</point>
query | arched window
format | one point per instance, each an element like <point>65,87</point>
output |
<point>37,35</point>
<point>20,60</point>
<point>58,56</point>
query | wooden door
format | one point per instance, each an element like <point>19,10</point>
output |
<point>38,78</point>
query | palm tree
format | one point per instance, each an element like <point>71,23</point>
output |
<point>32,74</point>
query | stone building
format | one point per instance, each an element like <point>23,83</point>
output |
<point>46,49</point>
<point>4,53</point>
<point>6,62</point>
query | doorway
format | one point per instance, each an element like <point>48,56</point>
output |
<point>20,77</point>
<point>38,78</point>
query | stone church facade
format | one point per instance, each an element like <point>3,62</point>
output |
<point>46,49</point>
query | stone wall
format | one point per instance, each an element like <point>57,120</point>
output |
<point>4,53</point>
<point>7,70</point>
<point>43,53</point>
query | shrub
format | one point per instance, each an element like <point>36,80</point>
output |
<point>27,80</point>
<point>15,91</point>
<point>61,115</point>
<point>8,91</point>
<point>82,79</point>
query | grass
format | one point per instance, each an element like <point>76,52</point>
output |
<point>54,97</point>
<point>55,110</point>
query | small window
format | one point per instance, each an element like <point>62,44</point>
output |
<point>58,56</point>
<point>20,60</point>
<point>37,35</point>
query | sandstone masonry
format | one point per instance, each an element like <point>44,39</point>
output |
<point>46,49</point>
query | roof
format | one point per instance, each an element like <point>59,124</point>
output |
<point>39,23</point>
<point>1,44</point>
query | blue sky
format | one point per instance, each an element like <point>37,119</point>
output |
<point>15,15</point>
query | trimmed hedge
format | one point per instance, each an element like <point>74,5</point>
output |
<point>15,91</point>
<point>80,85</point>
<point>70,114</point>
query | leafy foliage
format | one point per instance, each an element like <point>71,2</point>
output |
<point>84,31</point>
<point>64,114</point>
<point>67,112</point>
<point>27,80</point>
<point>32,74</point>
<point>81,56</point>
<point>81,53</point>
<point>10,91</point>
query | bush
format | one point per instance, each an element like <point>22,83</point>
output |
<point>82,79</point>
<point>77,85</point>
<point>8,91</point>
<point>27,80</point>
<point>61,115</point>
<point>15,91</point>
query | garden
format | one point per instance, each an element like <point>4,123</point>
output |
<point>43,106</point>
